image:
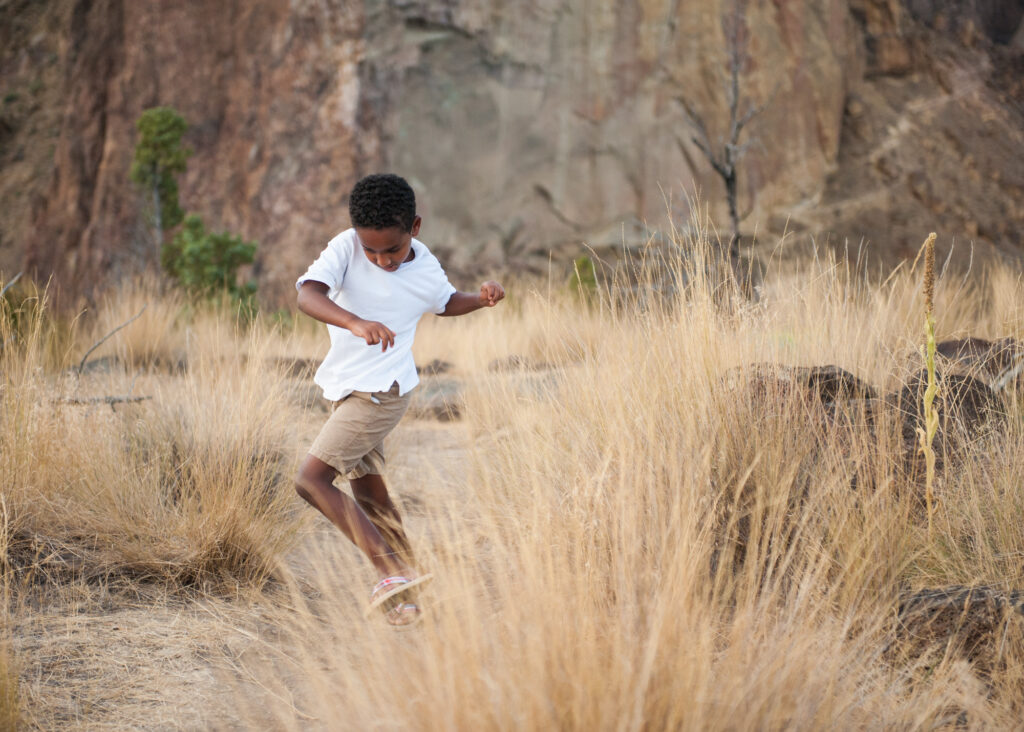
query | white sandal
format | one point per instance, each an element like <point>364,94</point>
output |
<point>387,595</point>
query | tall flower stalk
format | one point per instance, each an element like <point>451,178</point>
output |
<point>931,416</point>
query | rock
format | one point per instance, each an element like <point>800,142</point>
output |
<point>888,51</point>
<point>308,395</point>
<point>969,352</point>
<point>173,364</point>
<point>828,384</point>
<point>966,405</point>
<point>968,410</point>
<point>435,368</point>
<point>296,368</point>
<point>831,409</point>
<point>971,622</point>
<point>439,399</point>
<point>996,19</point>
<point>999,362</point>
<point>101,365</point>
<point>271,94</point>
<point>832,383</point>
<point>516,362</point>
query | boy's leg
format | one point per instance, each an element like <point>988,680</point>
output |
<point>315,483</point>
<point>371,494</point>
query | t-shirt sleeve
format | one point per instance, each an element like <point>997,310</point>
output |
<point>332,264</point>
<point>444,291</point>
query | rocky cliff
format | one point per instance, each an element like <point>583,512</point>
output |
<point>527,128</point>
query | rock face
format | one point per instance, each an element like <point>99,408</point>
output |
<point>271,93</point>
<point>929,134</point>
<point>527,128</point>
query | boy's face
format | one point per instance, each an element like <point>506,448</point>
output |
<point>388,248</point>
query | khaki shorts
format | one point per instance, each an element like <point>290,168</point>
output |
<point>352,440</point>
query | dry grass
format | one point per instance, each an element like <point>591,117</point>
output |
<point>183,487</point>
<point>119,516</point>
<point>154,328</point>
<point>10,703</point>
<point>622,538</point>
<point>10,687</point>
<point>638,546</point>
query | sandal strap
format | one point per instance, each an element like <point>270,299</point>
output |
<point>400,611</point>
<point>388,582</point>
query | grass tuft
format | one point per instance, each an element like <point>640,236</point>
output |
<point>190,487</point>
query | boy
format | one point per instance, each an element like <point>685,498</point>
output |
<point>370,286</point>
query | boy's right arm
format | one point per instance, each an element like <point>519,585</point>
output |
<point>315,303</point>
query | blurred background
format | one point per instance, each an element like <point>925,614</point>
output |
<point>531,130</point>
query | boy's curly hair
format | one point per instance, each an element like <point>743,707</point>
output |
<point>382,200</point>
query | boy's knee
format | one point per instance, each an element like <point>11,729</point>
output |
<point>313,478</point>
<point>301,489</point>
<point>306,484</point>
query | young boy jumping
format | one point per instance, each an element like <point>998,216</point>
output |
<point>370,286</point>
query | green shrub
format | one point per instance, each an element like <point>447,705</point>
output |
<point>206,264</point>
<point>202,263</point>
<point>583,280</point>
<point>159,159</point>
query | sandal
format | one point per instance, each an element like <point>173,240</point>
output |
<point>389,595</point>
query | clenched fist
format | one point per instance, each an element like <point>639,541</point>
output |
<point>490,293</point>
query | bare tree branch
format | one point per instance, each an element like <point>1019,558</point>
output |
<point>755,110</point>
<point>9,284</point>
<point>111,400</point>
<point>100,342</point>
<point>697,122</point>
<point>724,156</point>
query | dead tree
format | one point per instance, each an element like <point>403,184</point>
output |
<point>725,153</point>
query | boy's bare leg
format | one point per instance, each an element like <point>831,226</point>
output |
<point>315,483</point>
<point>371,494</point>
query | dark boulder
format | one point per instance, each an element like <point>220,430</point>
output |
<point>969,410</point>
<point>993,361</point>
<point>827,384</point>
<point>966,405</point>
<point>833,384</point>
<point>436,367</point>
<point>970,622</point>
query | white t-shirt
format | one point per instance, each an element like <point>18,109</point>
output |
<point>397,299</point>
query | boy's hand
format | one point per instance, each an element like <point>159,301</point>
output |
<point>373,333</point>
<point>490,293</point>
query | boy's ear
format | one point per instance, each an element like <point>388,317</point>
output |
<point>415,230</point>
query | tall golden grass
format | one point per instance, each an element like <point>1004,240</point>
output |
<point>179,480</point>
<point>638,545</point>
<point>636,540</point>
<point>10,702</point>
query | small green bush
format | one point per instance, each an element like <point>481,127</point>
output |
<point>583,280</point>
<point>205,264</point>
<point>159,159</point>
<point>202,263</point>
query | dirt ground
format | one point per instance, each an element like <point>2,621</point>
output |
<point>115,657</point>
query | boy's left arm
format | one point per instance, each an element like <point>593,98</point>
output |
<point>461,303</point>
